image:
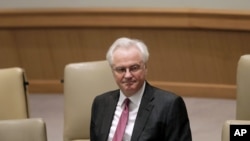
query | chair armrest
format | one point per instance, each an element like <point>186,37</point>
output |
<point>31,129</point>
<point>226,127</point>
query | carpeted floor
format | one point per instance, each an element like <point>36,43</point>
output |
<point>206,115</point>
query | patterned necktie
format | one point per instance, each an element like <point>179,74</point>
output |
<point>122,122</point>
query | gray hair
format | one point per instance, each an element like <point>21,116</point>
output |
<point>125,42</point>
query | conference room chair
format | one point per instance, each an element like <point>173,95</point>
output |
<point>13,94</point>
<point>82,82</point>
<point>242,97</point>
<point>31,129</point>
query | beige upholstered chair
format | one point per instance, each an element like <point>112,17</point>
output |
<point>23,130</point>
<point>243,88</point>
<point>242,97</point>
<point>226,127</point>
<point>13,94</point>
<point>82,82</point>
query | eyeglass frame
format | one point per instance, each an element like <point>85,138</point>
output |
<point>131,69</point>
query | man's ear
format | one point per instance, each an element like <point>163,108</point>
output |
<point>146,68</point>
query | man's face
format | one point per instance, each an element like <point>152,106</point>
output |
<point>129,70</point>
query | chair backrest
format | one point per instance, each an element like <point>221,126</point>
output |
<point>23,130</point>
<point>82,82</point>
<point>13,94</point>
<point>243,88</point>
<point>242,97</point>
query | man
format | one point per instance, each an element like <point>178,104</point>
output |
<point>154,114</point>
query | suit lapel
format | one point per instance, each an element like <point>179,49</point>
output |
<point>143,112</point>
<point>108,117</point>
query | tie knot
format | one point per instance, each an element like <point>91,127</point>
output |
<point>126,101</point>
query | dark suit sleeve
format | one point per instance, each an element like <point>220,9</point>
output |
<point>102,112</point>
<point>178,126</point>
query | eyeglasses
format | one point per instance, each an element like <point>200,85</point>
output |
<point>132,69</point>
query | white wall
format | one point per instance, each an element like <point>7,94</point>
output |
<point>210,4</point>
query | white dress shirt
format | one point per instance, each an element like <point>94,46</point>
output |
<point>135,101</point>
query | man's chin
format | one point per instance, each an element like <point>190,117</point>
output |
<point>129,90</point>
<point>128,86</point>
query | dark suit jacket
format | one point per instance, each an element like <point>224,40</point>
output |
<point>162,116</point>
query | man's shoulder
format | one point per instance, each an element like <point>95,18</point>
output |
<point>162,93</point>
<point>160,90</point>
<point>108,94</point>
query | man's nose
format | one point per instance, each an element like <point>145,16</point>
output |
<point>127,73</point>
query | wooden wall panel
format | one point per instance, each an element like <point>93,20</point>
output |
<point>190,61</point>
